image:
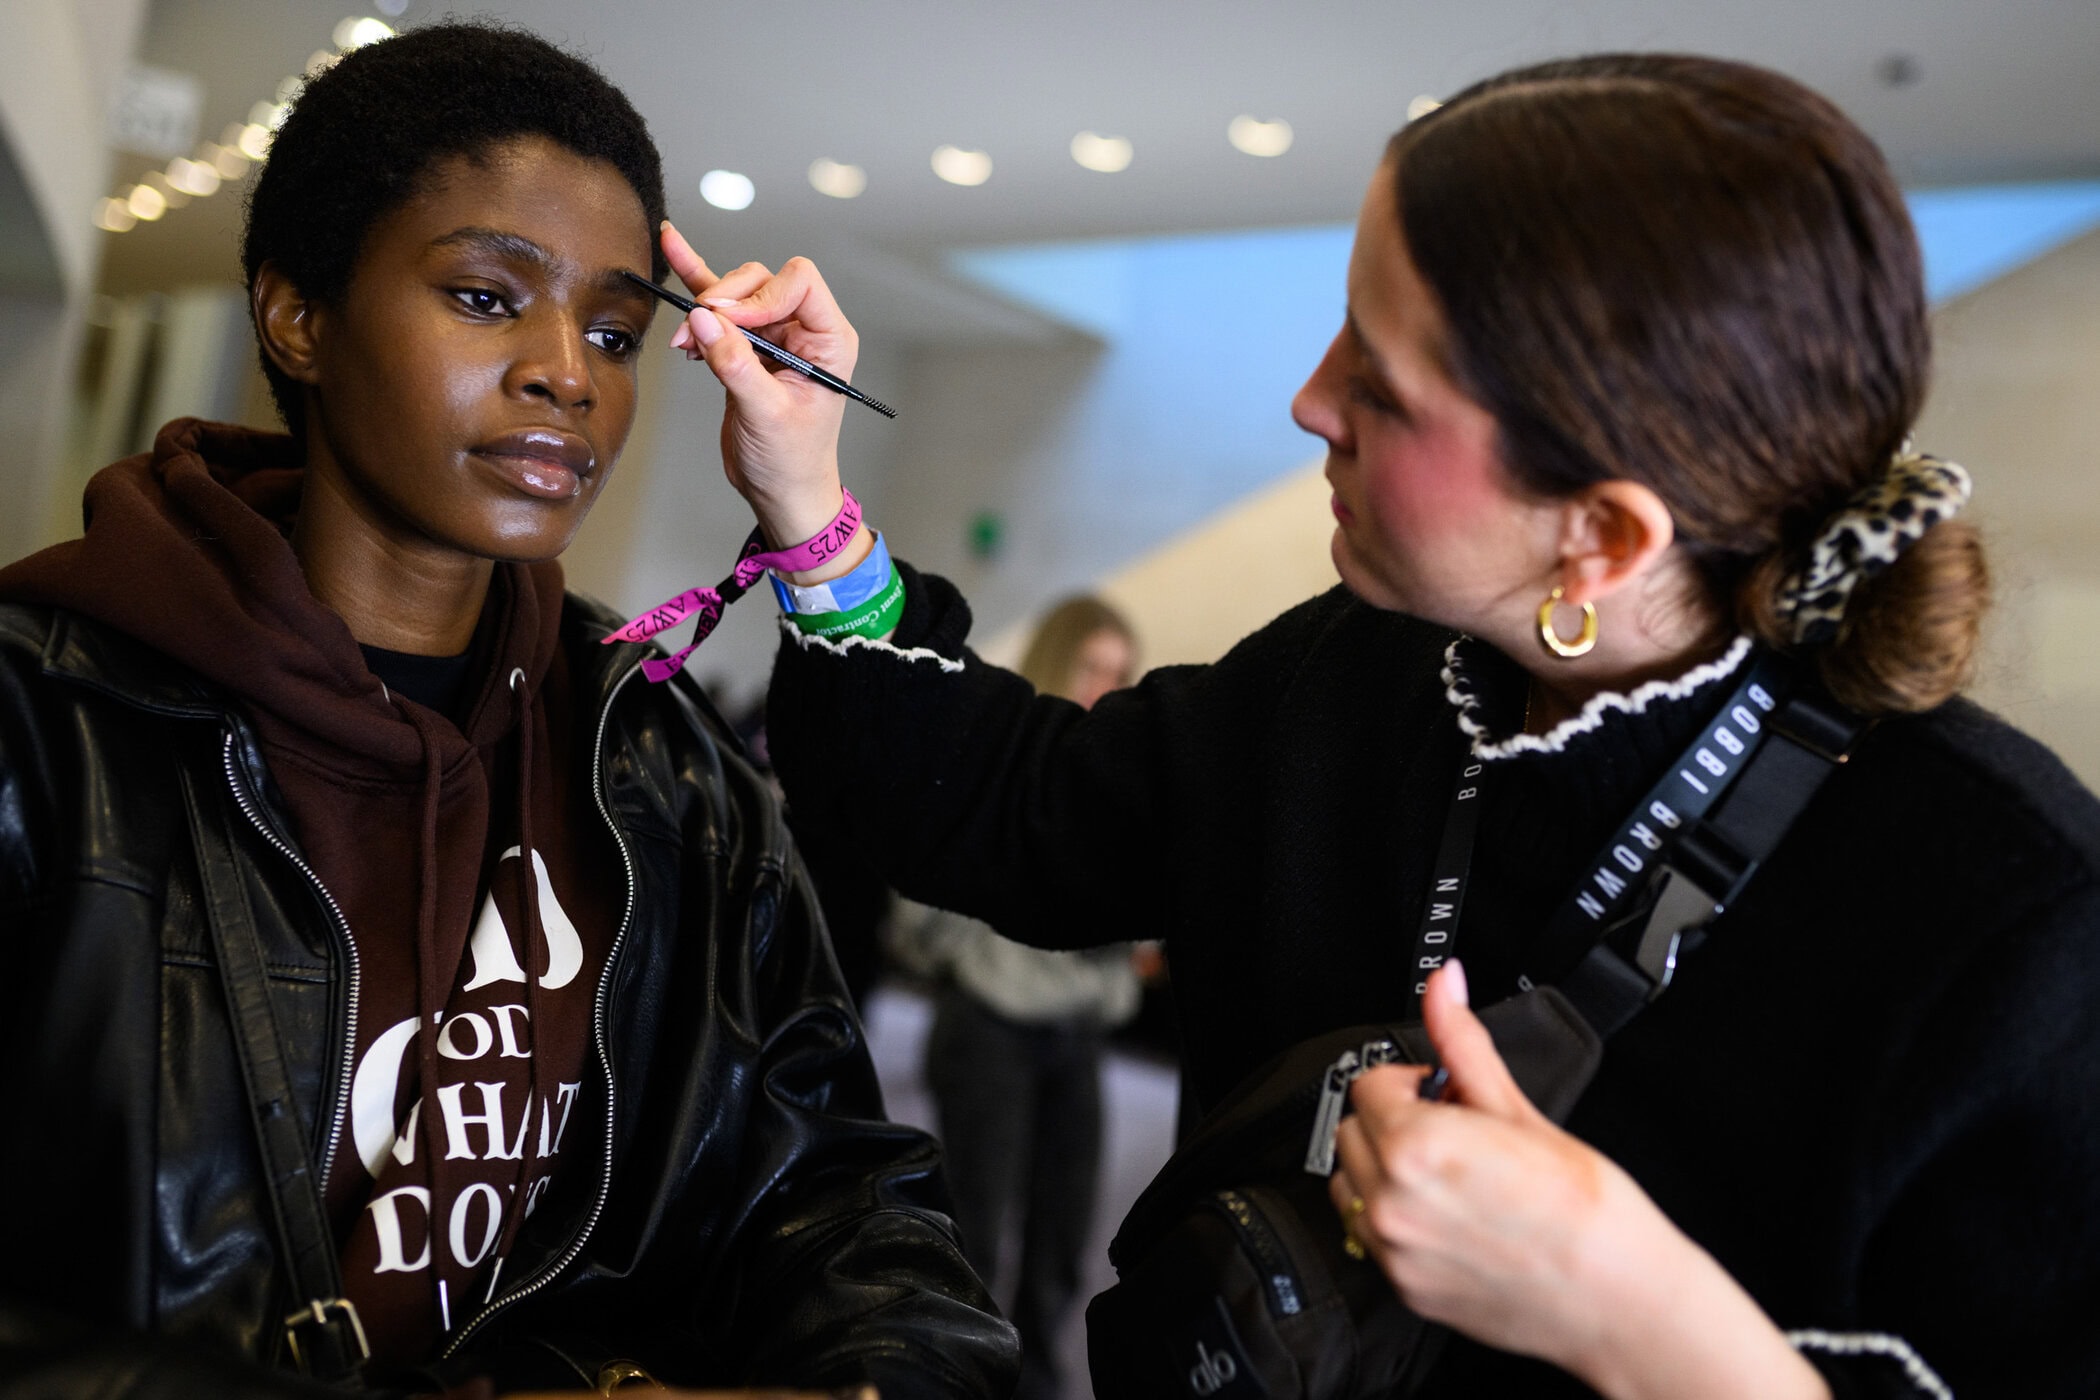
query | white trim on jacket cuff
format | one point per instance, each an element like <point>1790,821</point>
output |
<point>1894,1348</point>
<point>842,645</point>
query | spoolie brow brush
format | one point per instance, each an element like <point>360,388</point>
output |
<point>769,349</point>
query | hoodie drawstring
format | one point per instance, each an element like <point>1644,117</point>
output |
<point>535,939</point>
<point>430,999</point>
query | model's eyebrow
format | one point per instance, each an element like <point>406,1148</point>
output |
<point>518,248</point>
<point>614,280</point>
<point>514,246</point>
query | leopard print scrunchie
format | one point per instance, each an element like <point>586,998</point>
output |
<point>1865,536</point>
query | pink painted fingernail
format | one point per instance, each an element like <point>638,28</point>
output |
<point>681,337</point>
<point>706,328</point>
<point>1455,982</point>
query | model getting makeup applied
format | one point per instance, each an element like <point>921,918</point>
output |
<point>413,998</point>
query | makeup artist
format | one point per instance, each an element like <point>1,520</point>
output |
<point>399,994</point>
<point>1620,413</point>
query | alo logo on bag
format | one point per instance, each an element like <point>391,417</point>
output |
<point>1212,1370</point>
<point>1217,1367</point>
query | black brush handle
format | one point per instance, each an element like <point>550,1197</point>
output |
<point>771,351</point>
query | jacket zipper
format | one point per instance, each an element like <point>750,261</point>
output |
<point>349,945</point>
<point>575,1247</point>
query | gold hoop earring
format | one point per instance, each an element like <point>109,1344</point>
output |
<point>1567,650</point>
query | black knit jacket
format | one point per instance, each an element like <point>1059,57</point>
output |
<point>1873,1093</point>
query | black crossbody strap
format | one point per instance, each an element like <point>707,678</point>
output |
<point>326,1339</point>
<point>1713,859</point>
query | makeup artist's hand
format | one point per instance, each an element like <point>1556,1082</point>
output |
<point>1487,1216</point>
<point>780,431</point>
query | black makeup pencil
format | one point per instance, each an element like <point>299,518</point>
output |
<point>771,351</point>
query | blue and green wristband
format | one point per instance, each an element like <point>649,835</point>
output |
<point>874,619</point>
<point>869,579</point>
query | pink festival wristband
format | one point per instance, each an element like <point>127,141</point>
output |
<point>751,564</point>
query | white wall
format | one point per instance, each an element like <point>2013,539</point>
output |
<point>57,69</point>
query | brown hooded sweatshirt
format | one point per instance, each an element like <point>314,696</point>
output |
<point>413,824</point>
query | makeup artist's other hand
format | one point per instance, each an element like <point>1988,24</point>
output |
<point>780,431</point>
<point>1488,1217</point>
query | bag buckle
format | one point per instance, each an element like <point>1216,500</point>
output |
<point>1680,905</point>
<point>316,1314</point>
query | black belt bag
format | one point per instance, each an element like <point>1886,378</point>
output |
<point>1233,1277</point>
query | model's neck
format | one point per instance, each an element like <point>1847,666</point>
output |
<point>395,590</point>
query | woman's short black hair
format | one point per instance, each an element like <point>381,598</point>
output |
<point>364,136</point>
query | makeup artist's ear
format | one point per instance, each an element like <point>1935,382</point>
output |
<point>285,323</point>
<point>1611,533</point>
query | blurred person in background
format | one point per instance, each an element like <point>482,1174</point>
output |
<point>1014,1055</point>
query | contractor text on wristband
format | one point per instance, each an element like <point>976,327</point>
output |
<point>752,561</point>
<point>874,619</point>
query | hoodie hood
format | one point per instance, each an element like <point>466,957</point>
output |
<point>185,548</point>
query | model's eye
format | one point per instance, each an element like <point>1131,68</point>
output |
<point>613,341</point>
<point>482,301</point>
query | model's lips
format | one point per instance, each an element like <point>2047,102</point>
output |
<point>541,461</point>
<point>1341,512</point>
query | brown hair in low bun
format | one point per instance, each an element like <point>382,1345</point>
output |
<point>1701,276</point>
<point>1910,634</point>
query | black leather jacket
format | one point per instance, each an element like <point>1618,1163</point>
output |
<point>750,1215</point>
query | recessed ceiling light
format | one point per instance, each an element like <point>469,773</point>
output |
<point>173,197</point>
<point>227,160</point>
<point>146,202</point>
<point>1259,138</point>
<point>193,176</point>
<point>837,179</point>
<point>960,167</point>
<point>725,189</point>
<point>115,216</point>
<point>1107,154</point>
<point>360,30</point>
<point>1422,106</point>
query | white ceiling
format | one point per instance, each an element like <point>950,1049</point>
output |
<point>2005,90</point>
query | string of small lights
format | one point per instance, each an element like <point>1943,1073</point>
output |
<point>241,147</point>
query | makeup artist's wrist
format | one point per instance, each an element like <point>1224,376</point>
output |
<point>788,521</point>
<point>791,516</point>
<point>839,565</point>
